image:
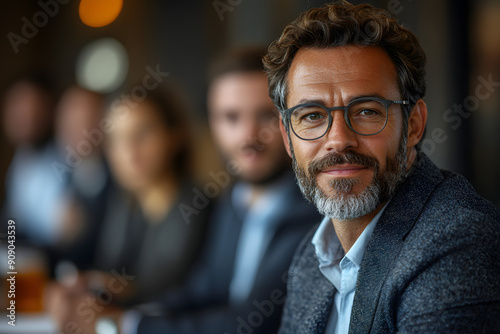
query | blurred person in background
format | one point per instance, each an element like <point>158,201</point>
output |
<point>145,230</point>
<point>239,283</point>
<point>84,171</point>
<point>145,239</point>
<point>33,191</point>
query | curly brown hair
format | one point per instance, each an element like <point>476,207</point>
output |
<point>342,23</point>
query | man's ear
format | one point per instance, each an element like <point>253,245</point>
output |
<point>284,135</point>
<point>416,123</point>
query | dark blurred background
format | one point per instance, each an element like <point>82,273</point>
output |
<point>461,38</point>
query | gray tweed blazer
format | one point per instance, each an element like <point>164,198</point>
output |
<point>431,266</point>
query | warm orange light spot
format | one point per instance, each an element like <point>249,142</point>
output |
<point>98,13</point>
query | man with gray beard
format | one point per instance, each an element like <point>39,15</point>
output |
<point>343,206</point>
<point>404,246</point>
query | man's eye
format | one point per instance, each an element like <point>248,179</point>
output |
<point>312,117</point>
<point>368,112</point>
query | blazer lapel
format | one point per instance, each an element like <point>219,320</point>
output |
<point>388,236</point>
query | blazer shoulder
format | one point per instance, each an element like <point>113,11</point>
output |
<point>455,197</point>
<point>446,275</point>
<point>443,278</point>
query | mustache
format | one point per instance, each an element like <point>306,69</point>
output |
<point>349,157</point>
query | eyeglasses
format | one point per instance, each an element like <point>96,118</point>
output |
<point>366,116</point>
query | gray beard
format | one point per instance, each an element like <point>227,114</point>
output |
<point>349,206</point>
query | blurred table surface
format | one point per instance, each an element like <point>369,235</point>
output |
<point>27,323</point>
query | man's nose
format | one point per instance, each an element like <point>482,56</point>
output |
<point>250,128</point>
<point>340,137</point>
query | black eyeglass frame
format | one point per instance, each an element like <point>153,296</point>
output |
<point>387,103</point>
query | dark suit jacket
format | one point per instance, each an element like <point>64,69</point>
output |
<point>431,266</point>
<point>160,255</point>
<point>202,306</point>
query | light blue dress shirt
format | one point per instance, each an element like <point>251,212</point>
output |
<point>341,269</point>
<point>257,229</point>
<point>35,195</point>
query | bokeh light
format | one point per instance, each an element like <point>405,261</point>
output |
<point>102,65</point>
<point>99,13</point>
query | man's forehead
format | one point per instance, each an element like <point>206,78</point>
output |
<point>240,90</point>
<point>340,64</point>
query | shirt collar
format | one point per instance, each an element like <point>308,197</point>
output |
<point>327,244</point>
<point>328,247</point>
